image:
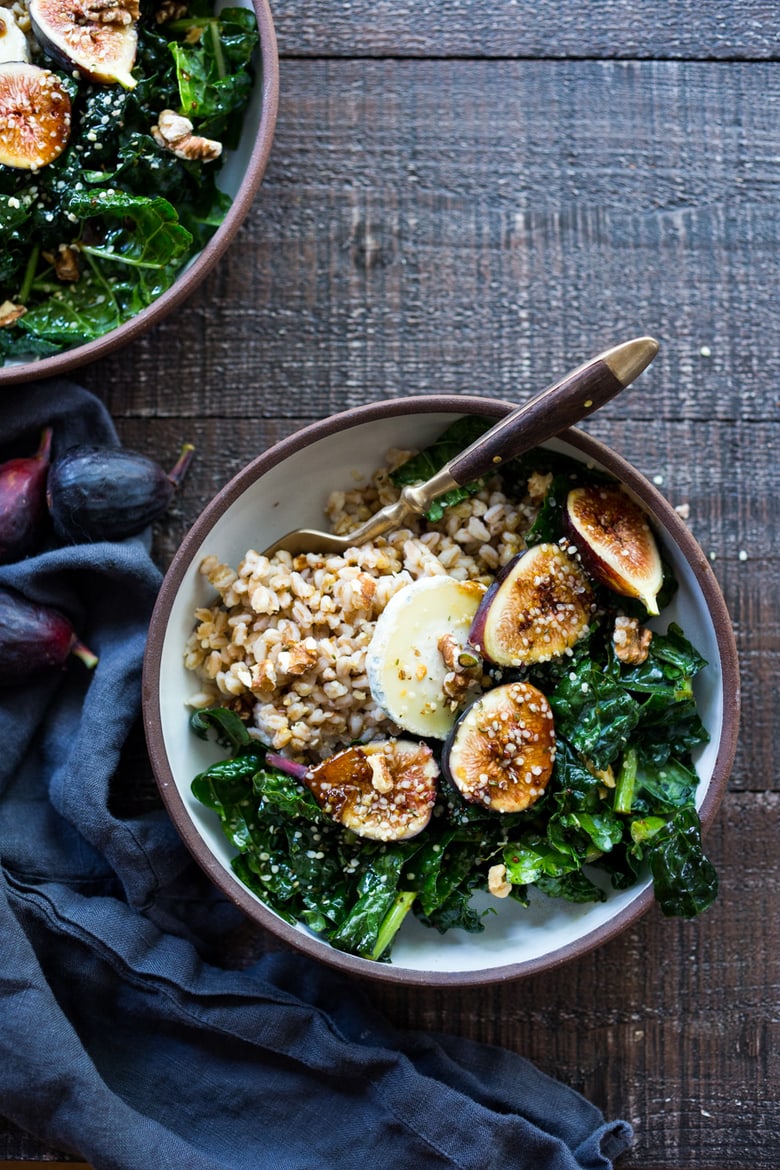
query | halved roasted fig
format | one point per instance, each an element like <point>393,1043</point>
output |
<point>384,790</point>
<point>615,542</point>
<point>13,42</point>
<point>96,37</point>
<point>415,660</point>
<point>502,749</point>
<point>538,607</point>
<point>34,116</point>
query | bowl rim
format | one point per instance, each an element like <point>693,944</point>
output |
<point>191,277</point>
<point>181,563</point>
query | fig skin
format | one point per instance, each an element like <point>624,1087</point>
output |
<point>537,607</point>
<point>99,40</point>
<point>35,114</point>
<point>615,542</point>
<point>502,749</point>
<point>35,638</point>
<point>109,493</point>
<point>23,514</point>
<point>384,791</point>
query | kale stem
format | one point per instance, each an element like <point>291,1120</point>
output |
<point>117,258</point>
<point>217,46</point>
<point>29,274</point>
<point>391,923</point>
<point>626,781</point>
<point>212,24</point>
<point>102,280</point>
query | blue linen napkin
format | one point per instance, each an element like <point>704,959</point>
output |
<point>121,1039</point>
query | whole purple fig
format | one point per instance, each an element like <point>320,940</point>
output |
<point>23,516</point>
<point>35,638</point>
<point>108,493</point>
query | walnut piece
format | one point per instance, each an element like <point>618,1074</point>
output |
<point>631,641</point>
<point>297,659</point>
<point>538,486</point>
<point>10,313</point>
<point>174,132</point>
<point>170,10</point>
<point>460,677</point>
<point>498,886</point>
<point>381,772</point>
<point>123,12</point>
<point>65,262</point>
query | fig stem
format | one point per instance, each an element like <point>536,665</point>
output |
<point>626,782</point>
<point>44,449</point>
<point>79,650</point>
<point>181,467</point>
<point>391,923</point>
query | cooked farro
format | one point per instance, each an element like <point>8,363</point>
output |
<point>285,642</point>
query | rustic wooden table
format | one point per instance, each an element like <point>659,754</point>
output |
<point>473,197</point>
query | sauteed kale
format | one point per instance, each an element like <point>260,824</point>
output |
<point>131,210</point>
<point>621,798</point>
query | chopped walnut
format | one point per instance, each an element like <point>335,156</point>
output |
<point>449,649</point>
<point>65,262</point>
<point>123,12</point>
<point>170,10</point>
<point>631,641</point>
<point>605,775</point>
<point>174,132</point>
<point>362,592</point>
<point>538,486</point>
<point>498,886</point>
<point>381,772</point>
<point>10,313</point>
<point>298,658</point>
<point>460,676</point>
<point>263,676</point>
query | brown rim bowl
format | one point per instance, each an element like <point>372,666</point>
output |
<point>285,487</point>
<point>240,177</point>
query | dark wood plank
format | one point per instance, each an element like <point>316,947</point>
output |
<point>524,28</point>
<point>483,226</point>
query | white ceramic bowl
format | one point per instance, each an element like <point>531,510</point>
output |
<point>239,177</point>
<point>285,488</point>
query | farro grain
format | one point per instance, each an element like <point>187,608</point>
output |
<point>286,637</point>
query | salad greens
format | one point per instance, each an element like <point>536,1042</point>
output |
<point>621,799</point>
<point>134,212</point>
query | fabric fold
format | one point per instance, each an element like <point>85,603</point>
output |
<point>122,1039</point>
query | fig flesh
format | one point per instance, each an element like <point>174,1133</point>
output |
<point>35,638</point>
<point>615,542</point>
<point>502,749</point>
<point>23,515</point>
<point>96,37</point>
<point>109,493</point>
<point>538,607</point>
<point>35,116</point>
<point>384,791</point>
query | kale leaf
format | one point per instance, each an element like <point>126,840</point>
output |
<point>132,211</point>
<point>621,799</point>
<point>420,467</point>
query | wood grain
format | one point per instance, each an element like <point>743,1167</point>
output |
<point>484,227</point>
<point>525,28</point>
<point>468,197</point>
